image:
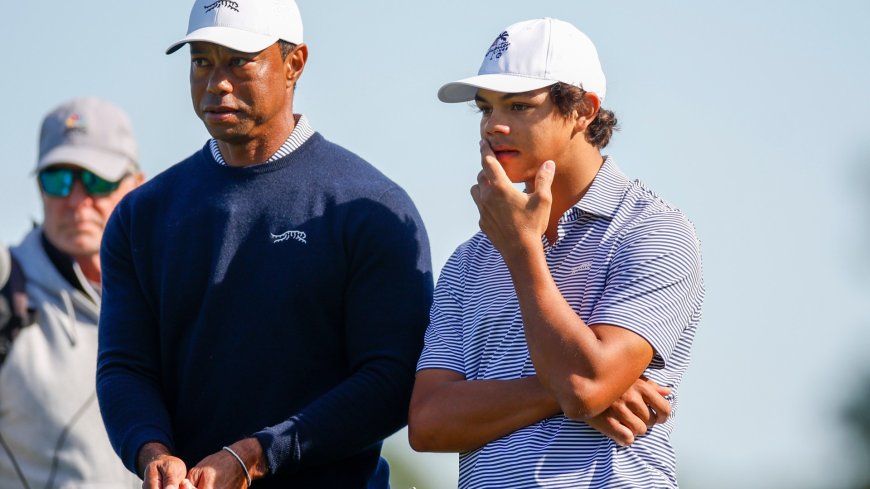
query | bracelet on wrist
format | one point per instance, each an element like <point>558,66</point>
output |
<point>241,462</point>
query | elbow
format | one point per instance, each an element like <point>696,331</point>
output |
<point>582,398</point>
<point>422,436</point>
<point>428,431</point>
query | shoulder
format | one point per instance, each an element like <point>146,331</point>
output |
<point>146,202</point>
<point>653,235</point>
<point>343,171</point>
<point>170,177</point>
<point>470,257</point>
<point>643,214</point>
<point>154,190</point>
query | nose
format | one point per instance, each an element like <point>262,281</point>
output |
<point>77,194</point>
<point>492,124</point>
<point>218,82</point>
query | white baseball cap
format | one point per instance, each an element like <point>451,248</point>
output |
<point>249,26</point>
<point>530,55</point>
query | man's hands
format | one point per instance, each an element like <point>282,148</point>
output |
<point>219,470</point>
<point>511,219</point>
<point>161,469</point>
<point>642,406</point>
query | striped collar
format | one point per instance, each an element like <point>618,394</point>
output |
<point>301,132</point>
<point>605,193</point>
<point>601,199</point>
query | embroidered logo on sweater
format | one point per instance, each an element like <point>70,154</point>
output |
<point>297,235</point>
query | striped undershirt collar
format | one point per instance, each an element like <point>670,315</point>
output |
<point>300,134</point>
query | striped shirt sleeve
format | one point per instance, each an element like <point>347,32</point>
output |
<point>443,340</point>
<point>653,287</point>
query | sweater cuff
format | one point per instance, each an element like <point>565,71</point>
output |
<point>134,442</point>
<point>282,446</point>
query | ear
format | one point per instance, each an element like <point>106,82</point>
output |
<point>294,64</point>
<point>586,113</point>
<point>138,179</point>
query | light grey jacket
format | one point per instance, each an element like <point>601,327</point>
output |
<point>48,409</point>
<point>5,268</point>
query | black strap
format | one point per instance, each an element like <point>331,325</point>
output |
<point>15,311</point>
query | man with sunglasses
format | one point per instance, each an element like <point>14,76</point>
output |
<point>51,432</point>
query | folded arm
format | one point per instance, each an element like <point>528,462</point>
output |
<point>451,414</point>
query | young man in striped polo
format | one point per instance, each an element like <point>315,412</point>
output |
<point>547,324</point>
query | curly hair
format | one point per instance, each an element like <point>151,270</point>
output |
<point>569,98</point>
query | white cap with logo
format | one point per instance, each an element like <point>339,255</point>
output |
<point>249,26</point>
<point>530,55</point>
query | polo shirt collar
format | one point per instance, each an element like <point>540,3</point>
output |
<point>606,192</point>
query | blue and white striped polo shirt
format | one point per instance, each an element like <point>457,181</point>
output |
<point>623,257</point>
<point>300,133</point>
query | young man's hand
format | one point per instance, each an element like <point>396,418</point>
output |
<point>511,219</point>
<point>642,406</point>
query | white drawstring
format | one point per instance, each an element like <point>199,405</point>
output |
<point>69,321</point>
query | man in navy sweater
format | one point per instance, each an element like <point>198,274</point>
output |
<point>265,299</point>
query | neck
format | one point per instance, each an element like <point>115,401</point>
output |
<point>256,150</point>
<point>90,266</point>
<point>573,178</point>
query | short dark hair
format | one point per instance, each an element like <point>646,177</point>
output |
<point>286,47</point>
<point>569,98</point>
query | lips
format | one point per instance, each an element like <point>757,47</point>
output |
<point>219,113</point>
<point>504,151</point>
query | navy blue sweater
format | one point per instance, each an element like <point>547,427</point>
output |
<point>286,301</point>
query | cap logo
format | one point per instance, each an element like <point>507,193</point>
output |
<point>498,47</point>
<point>75,122</point>
<point>222,3</point>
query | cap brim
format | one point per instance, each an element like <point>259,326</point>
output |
<point>464,90</point>
<point>105,164</point>
<point>239,40</point>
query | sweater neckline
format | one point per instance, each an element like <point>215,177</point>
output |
<point>260,168</point>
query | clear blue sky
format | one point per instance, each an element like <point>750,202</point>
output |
<point>750,116</point>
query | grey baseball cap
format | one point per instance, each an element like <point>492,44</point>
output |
<point>90,133</point>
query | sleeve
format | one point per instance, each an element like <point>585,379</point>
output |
<point>128,367</point>
<point>442,345</point>
<point>387,299</point>
<point>654,284</point>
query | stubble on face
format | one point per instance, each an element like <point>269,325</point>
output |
<point>240,97</point>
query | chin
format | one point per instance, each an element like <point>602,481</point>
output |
<point>229,135</point>
<point>518,177</point>
<point>81,246</point>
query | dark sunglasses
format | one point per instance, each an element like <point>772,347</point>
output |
<point>58,182</point>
